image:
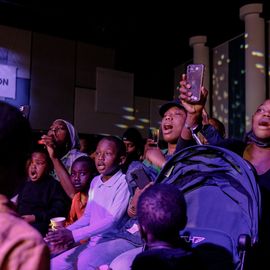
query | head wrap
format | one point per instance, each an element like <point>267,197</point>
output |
<point>74,138</point>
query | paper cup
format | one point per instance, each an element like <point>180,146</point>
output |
<point>57,222</point>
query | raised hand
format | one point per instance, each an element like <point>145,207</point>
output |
<point>185,97</point>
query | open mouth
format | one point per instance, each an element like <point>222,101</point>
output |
<point>167,128</point>
<point>100,166</point>
<point>33,174</point>
<point>264,123</point>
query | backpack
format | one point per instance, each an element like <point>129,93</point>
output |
<point>222,195</point>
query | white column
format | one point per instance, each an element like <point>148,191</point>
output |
<point>201,56</point>
<point>254,58</point>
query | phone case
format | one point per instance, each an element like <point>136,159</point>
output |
<point>141,178</point>
<point>195,79</point>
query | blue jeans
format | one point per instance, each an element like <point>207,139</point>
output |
<point>90,257</point>
<point>124,261</point>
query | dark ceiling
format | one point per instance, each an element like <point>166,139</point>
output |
<point>148,41</point>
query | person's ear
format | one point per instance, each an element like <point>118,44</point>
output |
<point>122,160</point>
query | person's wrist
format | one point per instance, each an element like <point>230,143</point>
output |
<point>194,128</point>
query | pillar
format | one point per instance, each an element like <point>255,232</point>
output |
<point>201,56</point>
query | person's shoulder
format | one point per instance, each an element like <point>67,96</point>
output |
<point>21,244</point>
<point>95,181</point>
<point>165,258</point>
<point>16,228</point>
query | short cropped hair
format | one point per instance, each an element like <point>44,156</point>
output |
<point>15,144</point>
<point>162,211</point>
<point>120,146</point>
<point>90,164</point>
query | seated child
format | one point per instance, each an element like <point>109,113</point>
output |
<point>161,212</point>
<point>105,209</point>
<point>82,171</point>
<point>41,197</point>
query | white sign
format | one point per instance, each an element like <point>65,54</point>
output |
<point>8,81</point>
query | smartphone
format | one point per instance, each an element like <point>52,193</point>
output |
<point>195,79</point>
<point>141,178</point>
<point>153,134</point>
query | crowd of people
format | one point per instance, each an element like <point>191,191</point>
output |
<point>111,221</point>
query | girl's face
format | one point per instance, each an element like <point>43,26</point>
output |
<point>261,121</point>
<point>106,158</point>
<point>80,175</point>
<point>58,130</point>
<point>37,166</point>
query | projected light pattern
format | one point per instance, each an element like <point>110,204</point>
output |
<point>258,60</point>
<point>131,119</point>
<point>144,120</point>
<point>228,86</point>
<point>256,53</point>
<point>121,126</point>
<point>139,126</point>
<point>128,109</point>
<point>219,82</point>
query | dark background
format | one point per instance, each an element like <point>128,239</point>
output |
<point>148,41</point>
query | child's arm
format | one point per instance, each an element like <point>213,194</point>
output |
<point>64,177</point>
<point>59,168</point>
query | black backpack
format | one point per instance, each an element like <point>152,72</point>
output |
<point>223,198</point>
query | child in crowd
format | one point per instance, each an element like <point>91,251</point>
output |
<point>82,171</point>
<point>22,247</point>
<point>162,214</point>
<point>41,197</point>
<point>105,209</point>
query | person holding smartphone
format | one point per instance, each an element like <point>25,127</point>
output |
<point>173,116</point>
<point>255,149</point>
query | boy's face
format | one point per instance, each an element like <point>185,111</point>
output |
<point>80,175</point>
<point>38,166</point>
<point>106,158</point>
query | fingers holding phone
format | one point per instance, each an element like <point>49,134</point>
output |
<point>186,94</point>
<point>195,73</point>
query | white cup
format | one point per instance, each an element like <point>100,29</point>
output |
<point>57,222</point>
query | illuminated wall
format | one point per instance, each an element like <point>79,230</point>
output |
<point>228,86</point>
<point>61,78</point>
